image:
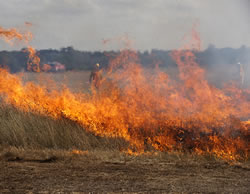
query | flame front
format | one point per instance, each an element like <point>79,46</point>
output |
<point>147,108</point>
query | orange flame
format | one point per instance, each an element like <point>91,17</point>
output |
<point>79,152</point>
<point>33,61</point>
<point>147,108</point>
<point>12,34</point>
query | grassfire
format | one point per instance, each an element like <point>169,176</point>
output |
<point>147,109</point>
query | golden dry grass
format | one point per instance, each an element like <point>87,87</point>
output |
<point>28,130</point>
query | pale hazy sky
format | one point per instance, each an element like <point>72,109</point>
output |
<point>159,24</point>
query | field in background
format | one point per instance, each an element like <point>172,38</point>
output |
<point>76,81</point>
<point>40,154</point>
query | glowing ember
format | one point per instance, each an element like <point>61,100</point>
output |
<point>79,152</point>
<point>148,109</point>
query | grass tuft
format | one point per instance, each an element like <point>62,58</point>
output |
<point>28,130</point>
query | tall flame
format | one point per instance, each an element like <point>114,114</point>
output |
<point>33,61</point>
<point>9,35</point>
<point>147,108</point>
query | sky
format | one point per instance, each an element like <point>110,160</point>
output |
<point>149,24</point>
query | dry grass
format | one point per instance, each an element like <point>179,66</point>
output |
<point>28,130</point>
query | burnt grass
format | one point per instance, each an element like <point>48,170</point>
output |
<point>37,155</point>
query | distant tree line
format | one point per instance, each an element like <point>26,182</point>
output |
<point>84,60</point>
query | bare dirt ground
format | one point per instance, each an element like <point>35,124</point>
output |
<point>101,171</point>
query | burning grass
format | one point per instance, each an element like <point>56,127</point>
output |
<point>149,111</point>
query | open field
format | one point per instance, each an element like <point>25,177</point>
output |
<point>47,171</point>
<point>76,81</point>
<point>39,154</point>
